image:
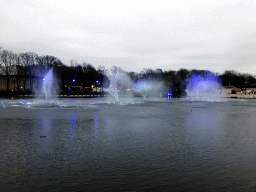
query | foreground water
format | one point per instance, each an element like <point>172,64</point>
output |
<point>88,144</point>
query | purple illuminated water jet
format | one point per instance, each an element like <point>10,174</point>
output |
<point>207,88</point>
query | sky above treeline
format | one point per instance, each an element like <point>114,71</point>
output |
<point>210,35</point>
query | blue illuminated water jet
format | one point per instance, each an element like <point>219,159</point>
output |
<point>205,88</point>
<point>50,87</point>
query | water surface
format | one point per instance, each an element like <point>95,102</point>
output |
<point>88,144</point>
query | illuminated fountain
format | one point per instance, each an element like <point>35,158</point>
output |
<point>46,95</point>
<point>50,87</point>
<point>123,89</point>
<point>208,88</point>
<point>120,87</point>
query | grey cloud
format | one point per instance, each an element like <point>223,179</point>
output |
<point>157,36</point>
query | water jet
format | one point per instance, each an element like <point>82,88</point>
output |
<point>50,87</point>
<point>205,88</point>
<point>120,87</point>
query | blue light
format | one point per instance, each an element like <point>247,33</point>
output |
<point>169,95</point>
<point>97,81</point>
<point>74,80</point>
<point>43,79</point>
<point>73,123</point>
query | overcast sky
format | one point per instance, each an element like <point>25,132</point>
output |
<point>214,35</point>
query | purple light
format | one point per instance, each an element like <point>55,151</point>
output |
<point>73,80</point>
<point>43,79</point>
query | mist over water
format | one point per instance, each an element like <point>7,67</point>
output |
<point>123,90</point>
<point>205,88</point>
<point>149,88</point>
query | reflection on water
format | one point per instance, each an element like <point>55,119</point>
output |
<point>204,126</point>
<point>96,126</point>
<point>176,145</point>
<point>72,132</point>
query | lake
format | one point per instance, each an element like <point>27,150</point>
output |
<point>153,145</point>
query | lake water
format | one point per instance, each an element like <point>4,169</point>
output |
<point>157,145</point>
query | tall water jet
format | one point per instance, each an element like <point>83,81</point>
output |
<point>50,87</point>
<point>207,88</point>
<point>120,86</point>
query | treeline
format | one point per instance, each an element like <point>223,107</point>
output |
<point>25,67</point>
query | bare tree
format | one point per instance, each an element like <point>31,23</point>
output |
<point>73,63</point>
<point>27,60</point>
<point>115,69</point>
<point>102,76</point>
<point>102,70</point>
<point>7,65</point>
